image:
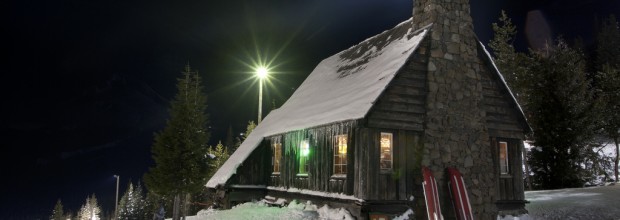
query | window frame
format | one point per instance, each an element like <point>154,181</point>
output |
<point>504,164</point>
<point>336,147</point>
<point>303,159</point>
<point>276,158</point>
<point>391,152</point>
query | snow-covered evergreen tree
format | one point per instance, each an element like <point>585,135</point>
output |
<point>249,128</point>
<point>58,213</point>
<point>132,204</point>
<point>90,210</point>
<point>220,155</point>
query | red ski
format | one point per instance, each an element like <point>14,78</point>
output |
<point>458,193</point>
<point>433,209</point>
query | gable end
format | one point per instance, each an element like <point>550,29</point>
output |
<point>402,103</point>
<point>504,117</point>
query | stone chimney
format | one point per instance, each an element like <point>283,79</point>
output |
<point>453,30</point>
<point>455,128</point>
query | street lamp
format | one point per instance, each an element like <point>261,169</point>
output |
<point>261,73</point>
<point>116,198</point>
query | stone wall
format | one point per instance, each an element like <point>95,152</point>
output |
<point>455,132</point>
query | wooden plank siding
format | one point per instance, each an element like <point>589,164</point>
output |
<point>321,159</point>
<point>360,189</point>
<point>509,187</point>
<point>400,183</point>
<point>400,110</point>
<point>503,120</point>
<point>504,123</point>
<point>402,104</point>
<point>256,169</point>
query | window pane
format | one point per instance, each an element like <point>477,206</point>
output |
<point>386,151</point>
<point>304,152</point>
<point>277,156</point>
<point>503,157</point>
<point>340,154</point>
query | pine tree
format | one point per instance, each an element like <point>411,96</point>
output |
<point>68,215</point>
<point>58,213</point>
<point>609,95</point>
<point>122,204</point>
<point>608,82</point>
<point>132,204</point>
<point>512,64</point>
<point>219,155</point>
<point>180,150</point>
<point>608,42</point>
<point>90,210</point>
<point>152,204</point>
<point>561,106</point>
<point>248,130</point>
<point>141,203</point>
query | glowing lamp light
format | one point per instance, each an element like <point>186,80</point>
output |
<point>262,72</point>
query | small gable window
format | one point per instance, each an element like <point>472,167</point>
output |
<point>304,155</point>
<point>503,157</point>
<point>340,155</point>
<point>386,146</point>
<point>276,148</point>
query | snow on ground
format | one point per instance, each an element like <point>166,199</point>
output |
<point>294,211</point>
<point>260,210</point>
<point>577,203</point>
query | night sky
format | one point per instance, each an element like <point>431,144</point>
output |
<point>85,84</point>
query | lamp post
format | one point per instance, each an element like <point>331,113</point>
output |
<point>116,198</point>
<point>261,72</point>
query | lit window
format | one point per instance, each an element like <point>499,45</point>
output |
<point>340,154</point>
<point>503,157</point>
<point>386,151</point>
<point>277,156</point>
<point>304,153</point>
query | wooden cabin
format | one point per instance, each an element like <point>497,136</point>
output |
<point>357,131</point>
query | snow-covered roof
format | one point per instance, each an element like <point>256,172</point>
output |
<point>342,87</point>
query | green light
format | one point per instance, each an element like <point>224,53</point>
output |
<point>305,148</point>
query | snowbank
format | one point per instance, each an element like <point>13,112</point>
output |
<point>260,211</point>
